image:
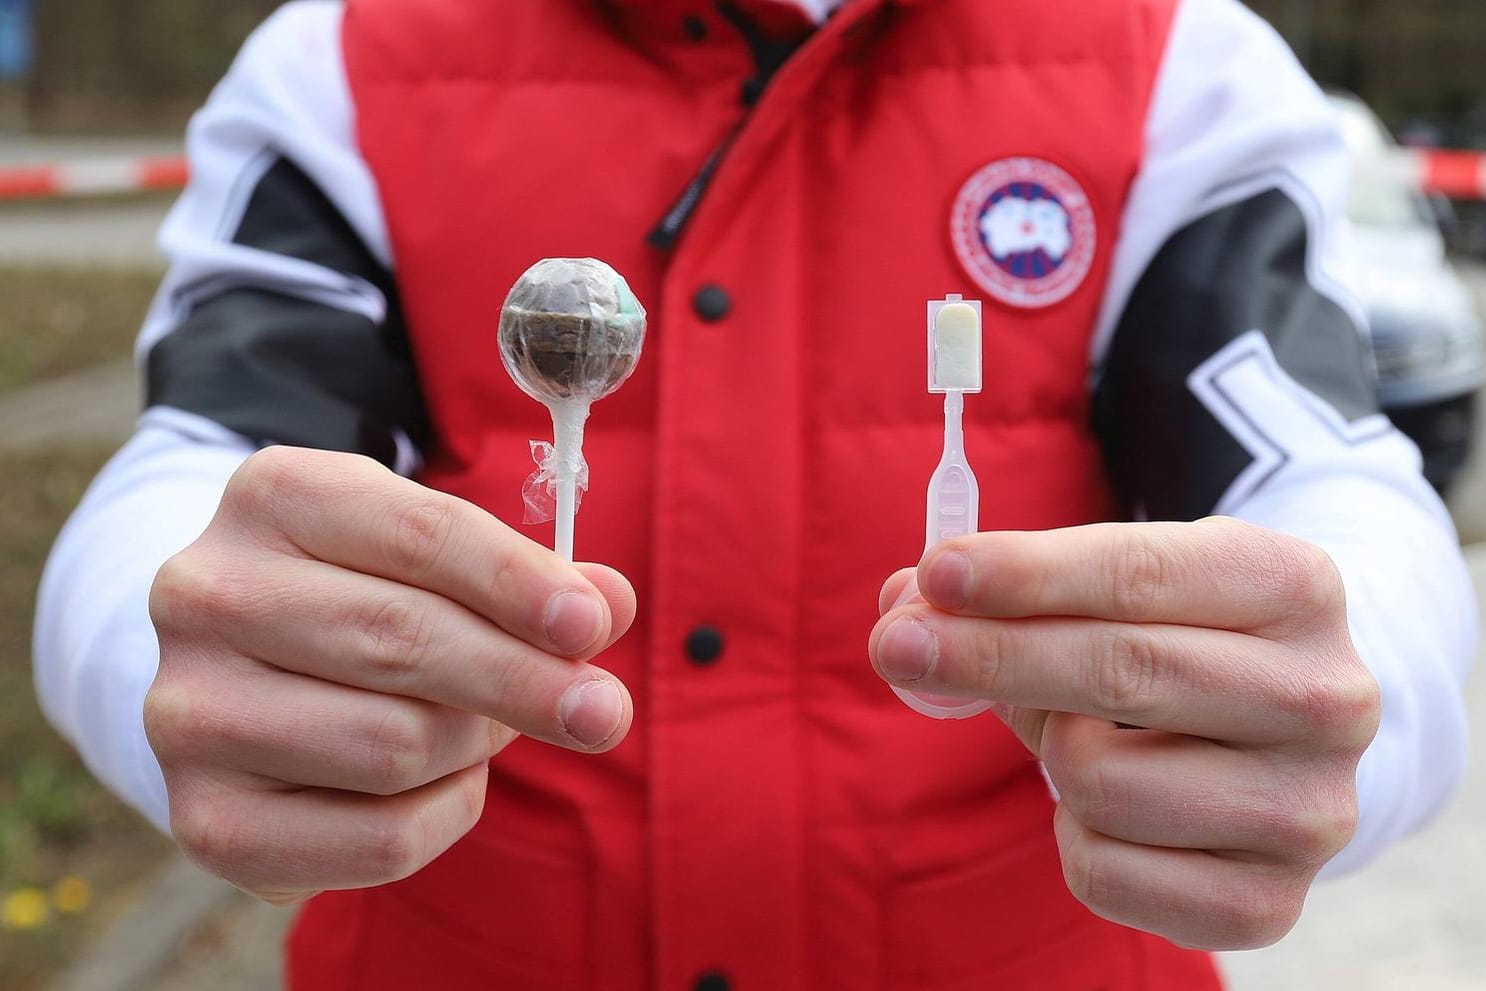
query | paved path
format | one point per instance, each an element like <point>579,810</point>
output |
<point>95,405</point>
<point>115,232</point>
<point>100,232</point>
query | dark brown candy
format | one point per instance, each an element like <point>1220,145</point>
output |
<point>565,356</point>
<point>571,330</point>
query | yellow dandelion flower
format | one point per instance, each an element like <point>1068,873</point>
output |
<point>25,908</point>
<point>72,895</point>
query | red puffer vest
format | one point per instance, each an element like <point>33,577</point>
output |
<point>777,820</point>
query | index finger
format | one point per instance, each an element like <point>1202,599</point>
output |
<point>1217,573</point>
<point>353,512</point>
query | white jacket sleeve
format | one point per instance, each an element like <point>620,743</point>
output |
<point>95,650</point>
<point>1230,331</point>
<point>275,134</point>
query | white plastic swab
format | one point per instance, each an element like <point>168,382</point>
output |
<point>954,495</point>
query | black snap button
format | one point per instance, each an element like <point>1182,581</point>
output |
<point>704,645</point>
<point>712,303</point>
<point>695,27</point>
<point>713,981</point>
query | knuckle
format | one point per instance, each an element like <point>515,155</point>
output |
<point>174,584</point>
<point>1303,579</point>
<point>1088,878</point>
<point>1256,914</point>
<point>1341,708</point>
<point>191,590</point>
<point>1124,671</point>
<point>164,592</point>
<point>511,567</point>
<point>1102,800</point>
<point>472,801</point>
<point>400,750</point>
<point>173,721</point>
<point>264,477</point>
<point>1338,824</point>
<point>1326,591</point>
<point>1139,573</point>
<point>991,648</point>
<point>193,829</point>
<point>1092,794</point>
<point>1320,833</point>
<point>394,848</point>
<point>395,639</point>
<point>208,838</point>
<point>418,535</point>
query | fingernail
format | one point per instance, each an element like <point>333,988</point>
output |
<point>590,711</point>
<point>947,583</point>
<point>907,651</point>
<point>572,621</point>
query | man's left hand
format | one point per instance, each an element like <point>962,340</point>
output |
<point>1226,647</point>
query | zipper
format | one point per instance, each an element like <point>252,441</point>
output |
<point>771,56</point>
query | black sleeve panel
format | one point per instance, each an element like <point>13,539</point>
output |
<point>279,368</point>
<point>1239,269</point>
<point>289,215</point>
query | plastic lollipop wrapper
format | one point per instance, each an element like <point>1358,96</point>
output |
<point>570,333</point>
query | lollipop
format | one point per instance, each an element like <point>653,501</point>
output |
<point>570,333</point>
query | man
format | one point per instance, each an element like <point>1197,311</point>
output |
<point>344,647</point>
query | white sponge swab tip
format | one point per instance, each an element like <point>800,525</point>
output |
<point>957,348</point>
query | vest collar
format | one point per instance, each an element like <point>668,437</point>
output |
<point>667,18</point>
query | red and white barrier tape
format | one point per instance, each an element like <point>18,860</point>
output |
<point>92,177</point>
<point>1459,175</point>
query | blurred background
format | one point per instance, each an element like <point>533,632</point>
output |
<point>93,98</point>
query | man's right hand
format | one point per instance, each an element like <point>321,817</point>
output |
<point>342,651</point>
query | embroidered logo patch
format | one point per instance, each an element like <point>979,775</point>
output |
<point>1024,230</point>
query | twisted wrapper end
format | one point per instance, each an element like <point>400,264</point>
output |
<point>539,491</point>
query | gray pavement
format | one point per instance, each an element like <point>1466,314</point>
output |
<point>96,405</point>
<point>116,233</point>
<point>143,944</point>
<point>111,231</point>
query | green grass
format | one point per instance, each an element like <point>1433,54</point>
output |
<point>55,820</point>
<point>54,321</point>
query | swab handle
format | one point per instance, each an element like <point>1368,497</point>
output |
<point>953,511</point>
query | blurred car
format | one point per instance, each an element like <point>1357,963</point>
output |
<point>1426,330</point>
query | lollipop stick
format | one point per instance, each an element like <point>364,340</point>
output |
<point>566,497</point>
<point>567,431</point>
